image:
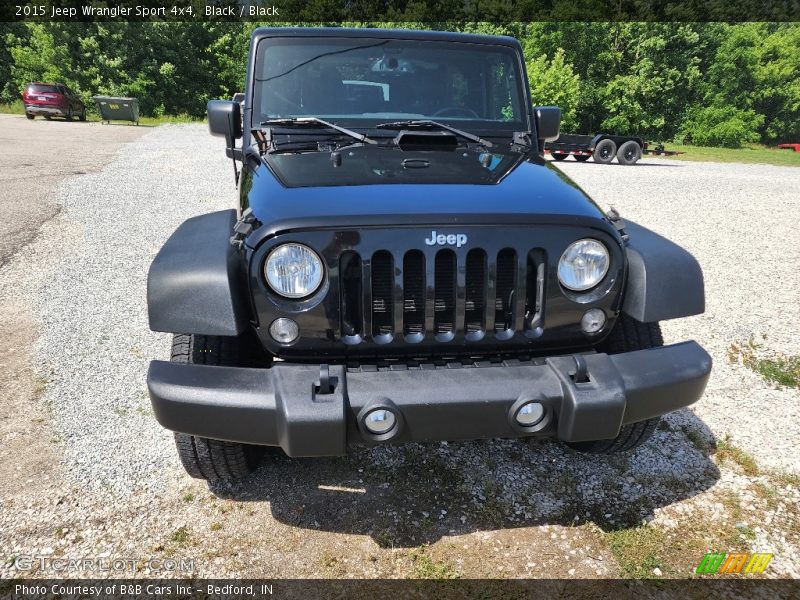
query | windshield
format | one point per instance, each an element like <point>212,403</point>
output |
<point>368,81</point>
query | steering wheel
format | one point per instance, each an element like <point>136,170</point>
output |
<point>456,111</point>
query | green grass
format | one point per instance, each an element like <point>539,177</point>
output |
<point>162,120</point>
<point>15,108</point>
<point>180,535</point>
<point>779,368</point>
<point>752,153</point>
<point>639,550</point>
<point>424,567</point>
<point>725,451</point>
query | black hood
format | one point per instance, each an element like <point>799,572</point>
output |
<point>385,164</point>
<point>390,187</point>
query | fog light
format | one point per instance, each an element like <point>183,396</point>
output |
<point>593,320</point>
<point>284,330</point>
<point>530,414</point>
<point>380,421</point>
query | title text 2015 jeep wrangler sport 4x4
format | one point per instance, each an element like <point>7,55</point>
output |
<point>404,265</point>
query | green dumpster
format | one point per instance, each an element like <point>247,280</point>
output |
<point>117,109</point>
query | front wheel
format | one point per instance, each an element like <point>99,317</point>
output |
<point>68,116</point>
<point>628,335</point>
<point>203,458</point>
<point>29,116</point>
<point>559,155</point>
<point>582,157</point>
<point>82,117</point>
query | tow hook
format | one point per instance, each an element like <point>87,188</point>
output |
<point>581,374</point>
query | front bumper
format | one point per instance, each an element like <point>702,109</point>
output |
<point>317,410</point>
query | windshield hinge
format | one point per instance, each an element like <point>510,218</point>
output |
<point>244,226</point>
<point>522,138</point>
<point>618,222</point>
<point>263,138</point>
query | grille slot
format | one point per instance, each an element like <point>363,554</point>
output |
<point>506,279</point>
<point>475,292</point>
<point>382,294</point>
<point>350,292</point>
<point>413,293</point>
<point>444,304</point>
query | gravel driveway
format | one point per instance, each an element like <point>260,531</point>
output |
<point>481,509</point>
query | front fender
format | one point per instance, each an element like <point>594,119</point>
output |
<point>198,282</point>
<point>664,280</point>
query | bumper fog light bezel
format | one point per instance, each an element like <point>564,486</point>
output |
<point>594,315</point>
<point>283,321</point>
<point>543,423</point>
<point>379,404</point>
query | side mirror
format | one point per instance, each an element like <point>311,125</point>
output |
<point>548,122</point>
<point>225,120</point>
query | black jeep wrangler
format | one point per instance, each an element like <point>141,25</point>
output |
<point>403,265</point>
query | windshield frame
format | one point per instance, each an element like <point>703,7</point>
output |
<point>484,128</point>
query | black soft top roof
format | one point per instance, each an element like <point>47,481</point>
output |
<point>400,34</point>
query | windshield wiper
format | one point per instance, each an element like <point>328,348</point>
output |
<point>428,123</point>
<point>314,121</point>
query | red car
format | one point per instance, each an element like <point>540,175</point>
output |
<point>52,99</point>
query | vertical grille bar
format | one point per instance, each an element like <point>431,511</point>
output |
<point>505,284</point>
<point>475,290</point>
<point>382,301</point>
<point>534,297</point>
<point>350,292</point>
<point>444,306</point>
<point>518,310</point>
<point>414,296</point>
<point>366,301</point>
<point>430,301</point>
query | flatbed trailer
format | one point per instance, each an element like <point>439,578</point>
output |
<point>603,148</point>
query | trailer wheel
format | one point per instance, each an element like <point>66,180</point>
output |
<point>582,157</point>
<point>604,152</point>
<point>559,155</point>
<point>629,153</point>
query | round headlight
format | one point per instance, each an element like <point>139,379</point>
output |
<point>583,265</point>
<point>293,270</point>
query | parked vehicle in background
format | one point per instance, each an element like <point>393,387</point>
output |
<point>52,100</point>
<point>604,147</point>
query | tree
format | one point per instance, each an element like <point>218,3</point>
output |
<point>554,82</point>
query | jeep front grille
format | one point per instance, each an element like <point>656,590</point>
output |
<point>439,294</point>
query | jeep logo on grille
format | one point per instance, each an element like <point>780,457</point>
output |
<point>452,239</point>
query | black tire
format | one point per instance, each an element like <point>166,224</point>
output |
<point>628,335</point>
<point>68,116</point>
<point>203,458</point>
<point>582,157</point>
<point>629,153</point>
<point>47,117</point>
<point>559,155</point>
<point>82,116</point>
<point>29,116</point>
<point>604,152</point>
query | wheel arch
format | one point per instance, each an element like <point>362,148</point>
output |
<point>197,282</point>
<point>664,280</point>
